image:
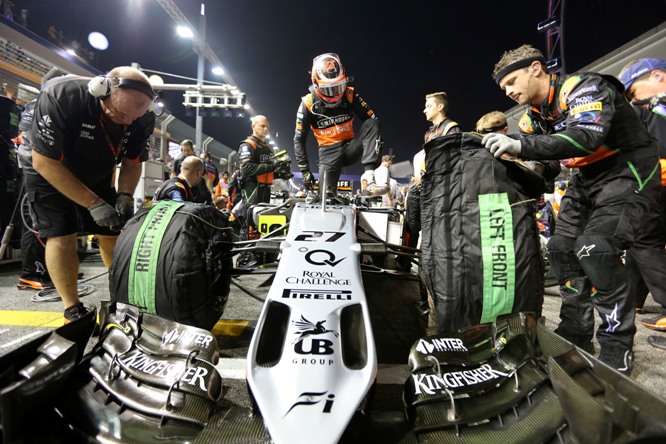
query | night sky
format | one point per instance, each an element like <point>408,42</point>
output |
<point>396,53</point>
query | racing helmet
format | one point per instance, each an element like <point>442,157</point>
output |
<point>328,77</point>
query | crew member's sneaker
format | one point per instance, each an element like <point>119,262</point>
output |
<point>34,283</point>
<point>655,323</point>
<point>75,312</point>
<point>620,359</point>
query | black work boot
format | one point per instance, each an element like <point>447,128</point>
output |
<point>577,313</point>
<point>620,359</point>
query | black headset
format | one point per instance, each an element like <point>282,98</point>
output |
<point>100,87</point>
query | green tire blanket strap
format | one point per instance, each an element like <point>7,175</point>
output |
<point>498,255</point>
<point>145,253</point>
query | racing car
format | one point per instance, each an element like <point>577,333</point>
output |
<point>312,363</point>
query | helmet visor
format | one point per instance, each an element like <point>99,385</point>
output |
<point>332,90</point>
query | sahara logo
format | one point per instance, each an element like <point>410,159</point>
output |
<point>578,92</point>
<point>313,398</point>
<point>440,345</point>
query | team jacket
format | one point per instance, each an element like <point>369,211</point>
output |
<point>330,126</point>
<point>255,161</point>
<point>655,120</point>
<point>446,126</point>
<point>584,117</point>
<point>175,189</point>
<point>68,125</point>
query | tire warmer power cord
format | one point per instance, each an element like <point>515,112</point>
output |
<point>51,294</point>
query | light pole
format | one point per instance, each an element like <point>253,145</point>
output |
<point>201,45</point>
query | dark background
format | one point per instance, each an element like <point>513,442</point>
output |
<point>397,51</point>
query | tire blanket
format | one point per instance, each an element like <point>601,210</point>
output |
<point>479,234</point>
<point>173,259</point>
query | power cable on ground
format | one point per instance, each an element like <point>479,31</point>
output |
<point>51,294</point>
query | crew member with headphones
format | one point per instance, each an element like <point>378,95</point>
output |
<point>82,129</point>
<point>585,116</point>
<point>329,109</point>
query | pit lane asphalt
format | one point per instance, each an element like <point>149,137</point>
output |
<point>395,322</point>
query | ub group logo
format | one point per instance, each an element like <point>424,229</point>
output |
<point>306,328</point>
<point>307,344</point>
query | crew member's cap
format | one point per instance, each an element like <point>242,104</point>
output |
<point>643,66</point>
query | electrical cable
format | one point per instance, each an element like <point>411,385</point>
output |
<point>25,222</point>
<point>247,290</point>
<point>51,294</point>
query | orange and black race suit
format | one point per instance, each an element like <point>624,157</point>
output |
<point>332,126</point>
<point>587,118</point>
<point>257,170</point>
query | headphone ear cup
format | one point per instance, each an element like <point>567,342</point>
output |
<point>154,107</point>
<point>99,87</point>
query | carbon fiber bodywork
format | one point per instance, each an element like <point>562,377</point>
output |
<point>33,376</point>
<point>511,382</point>
<point>523,383</point>
<point>153,380</point>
